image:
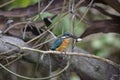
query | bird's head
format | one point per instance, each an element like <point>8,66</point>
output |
<point>70,35</point>
<point>67,35</point>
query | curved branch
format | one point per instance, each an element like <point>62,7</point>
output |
<point>105,26</point>
<point>115,4</point>
<point>105,12</point>
<point>4,4</point>
<point>28,78</point>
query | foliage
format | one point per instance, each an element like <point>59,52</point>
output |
<point>21,4</point>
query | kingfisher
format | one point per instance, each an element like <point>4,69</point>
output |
<point>62,42</point>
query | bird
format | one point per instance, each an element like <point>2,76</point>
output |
<point>61,43</point>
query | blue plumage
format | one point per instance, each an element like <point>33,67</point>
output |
<point>57,43</point>
<point>67,34</point>
<point>61,42</point>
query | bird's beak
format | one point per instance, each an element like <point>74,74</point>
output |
<point>75,37</point>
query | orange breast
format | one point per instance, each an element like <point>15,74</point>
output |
<point>64,45</point>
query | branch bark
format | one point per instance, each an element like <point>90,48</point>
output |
<point>115,4</point>
<point>104,26</point>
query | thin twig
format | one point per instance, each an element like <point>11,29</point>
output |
<point>78,4</point>
<point>73,22</point>
<point>16,24</point>
<point>47,6</point>
<point>6,3</point>
<point>65,53</point>
<point>19,57</point>
<point>68,53</point>
<point>36,37</point>
<point>89,6</point>
<point>42,10</point>
<point>24,77</point>
<point>43,43</point>
<point>52,34</point>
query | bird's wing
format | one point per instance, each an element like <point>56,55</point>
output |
<point>57,43</point>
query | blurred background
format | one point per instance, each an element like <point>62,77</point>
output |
<point>106,45</point>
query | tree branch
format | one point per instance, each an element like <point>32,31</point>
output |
<point>104,26</point>
<point>105,12</point>
<point>115,4</point>
<point>85,65</point>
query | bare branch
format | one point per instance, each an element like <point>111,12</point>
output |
<point>104,26</point>
<point>6,3</point>
<point>105,12</point>
<point>115,4</point>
